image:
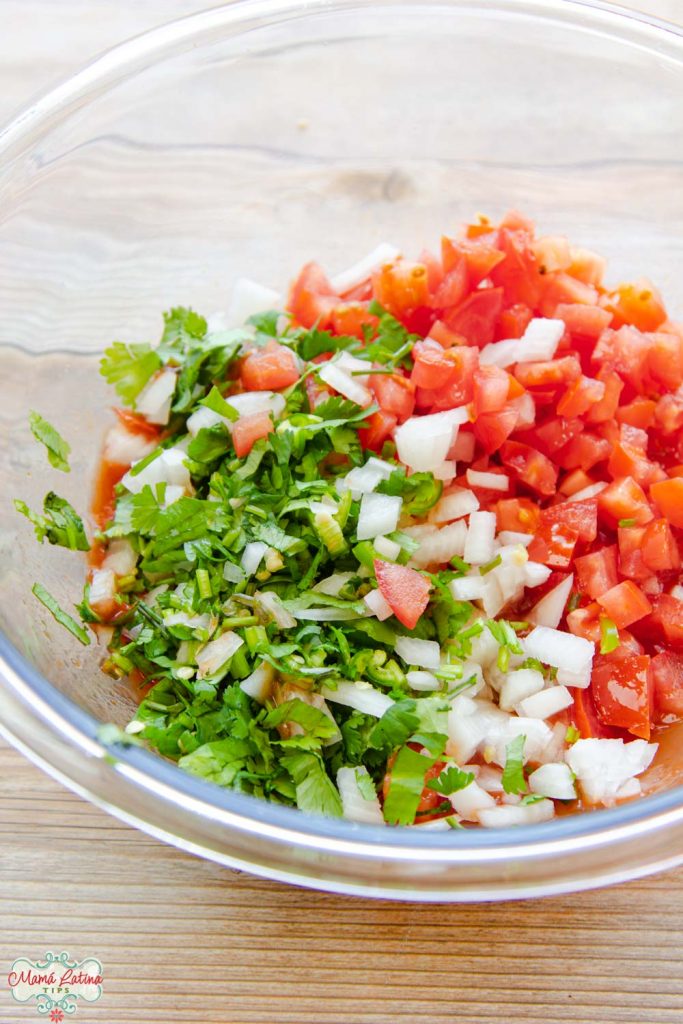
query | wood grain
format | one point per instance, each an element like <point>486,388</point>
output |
<point>183,940</point>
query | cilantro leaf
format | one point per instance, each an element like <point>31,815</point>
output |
<point>451,780</point>
<point>420,491</point>
<point>182,327</point>
<point>513,773</point>
<point>128,368</point>
<point>315,791</point>
<point>266,323</point>
<point>311,719</point>
<point>395,726</point>
<point>407,782</point>
<point>61,524</point>
<point>215,401</point>
<point>60,616</point>
<point>57,448</point>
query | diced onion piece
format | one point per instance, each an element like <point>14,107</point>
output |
<point>511,537</point>
<point>484,648</point>
<point>378,605</point>
<point>677,592</point>
<point>258,685</point>
<point>579,680</point>
<point>252,556</point>
<point>457,503</point>
<point>248,403</point>
<point>173,493</point>
<point>546,703</point>
<point>550,609</point>
<point>471,801</point>
<point>602,767</point>
<point>490,779</point>
<point>168,468</point>
<point>387,548</point>
<point>185,619</point>
<point>361,480</point>
<point>423,653</point>
<point>248,298</point>
<point>359,272</point>
<point>124,447</point>
<point>506,816</point>
<point>493,598</point>
<point>102,592</point>
<point>629,789</point>
<point>270,603</point>
<point>526,411</point>
<point>121,557</point>
<point>540,340</point>
<point>204,419</point>
<point>588,492</point>
<point>559,649</point>
<point>423,442</point>
<point>356,368</point>
<point>360,696</point>
<point>501,353</point>
<point>491,481</point>
<point>439,546</point>
<point>379,514</point>
<point>445,472</point>
<point>553,780</point>
<point>233,573</point>
<point>212,657</point>
<point>518,685</point>
<point>345,385</point>
<point>468,588</point>
<point>355,806</point>
<point>536,574</point>
<point>154,401</point>
<point>481,532</point>
<point>333,584</point>
<point>422,681</point>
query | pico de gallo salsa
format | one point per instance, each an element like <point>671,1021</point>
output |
<point>403,546</point>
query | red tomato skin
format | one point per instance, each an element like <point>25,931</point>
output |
<point>586,719</point>
<point>532,468</point>
<point>350,318</point>
<point>588,321</point>
<point>518,274</point>
<point>480,257</point>
<point>491,387</point>
<point>476,317</point>
<point>664,625</point>
<point>580,516</point>
<point>631,562</point>
<point>605,410</point>
<point>667,672</point>
<point>580,396</point>
<point>623,690</point>
<point>585,622</point>
<point>560,289</point>
<point>312,298</point>
<point>637,305</point>
<point>558,432</point>
<point>514,321</point>
<point>519,515</point>
<point>460,391</point>
<point>405,590</point>
<point>379,428</point>
<point>597,572</point>
<point>668,496</point>
<point>659,548</point>
<point>550,372</point>
<point>247,430</point>
<point>665,360</point>
<point>625,604</point>
<point>638,413</point>
<point>401,287</point>
<point>492,429</point>
<point>433,368</point>
<point>624,351</point>
<point>395,395</point>
<point>624,499</point>
<point>553,545</point>
<point>453,288</point>
<point>269,369</point>
<point>445,336</point>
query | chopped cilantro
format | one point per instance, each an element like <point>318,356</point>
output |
<point>451,780</point>
<point>513,773</point>
<point>60,616</point>
<point>57,448</point>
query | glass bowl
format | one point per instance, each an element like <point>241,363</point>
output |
<point>244,141</point>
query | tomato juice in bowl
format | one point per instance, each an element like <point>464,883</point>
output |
<point>591,192</point>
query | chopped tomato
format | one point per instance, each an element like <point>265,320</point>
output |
<point>532,468</point>
<point>491,387</point>
<point>405,590</point>
<point>664,624</point>
<point>312,298</point>
<point>606,408</point>
<point>589,321</point>
<point>581,516</point>
<point>585,622</point>
<point>623,691</point>
<point>401,287</point>
<point>558,432</point>
<point>476,317</point>
<point>659,548</point>
<point>668,496</point>
<point>638,413</point>
<point>519,515</point>
<point>638,305</point>
<point>480,257</point>
<point>667,674</point>
<point>631,562</point>
<point>549,372</point>
<point>665,360</point>
<point>104,498</point>
<point>553,545</point>
<point>460,390</point>
<point>434,366</point>
<point>625,604</point>
<point>586,266</point>
<point>586,718</point>
<point>519,273</point>
<point>444,335</point>
<point>351,318</point>
<point>580,396</point>
<point>596,573</point>
<point>137,424</point>
<point>247,430</point>
<point>624,351</point>
<point>379,427</point>
<point>395,394</point>
<point>624,499</point>
<point>514,321</point>
<point>269,368</point>
<point>491,429</point>
<point>453,287</point>
<point>561,289</point>
<point>575,481</point>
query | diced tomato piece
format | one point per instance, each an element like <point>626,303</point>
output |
<point>623,691</point>
<point>581,516</point>
<point>625,604</point>
<point>532,468</point>
<point>574,482</point>
<point>480,257</point>
<point>247,430</point>
<point>665,360</point>
<point>395,394</point>
<point>405,590</point>
<point>315,392</point>
<point>518,274</point>
<point>435,269</point>
<point>269,368</point>
<point>552,253</point>
<point>492,429</point>
<point>453,288</point>
<point>514,321</point>
<point>637,305</point>
<point>631,561</point>
<point>626,352</point>
<point>556,433</point>
<point>586,718</point>
<point>519,515</point>
<point>482,228</point>
<point>401,287</point>
<point>596,573</point>
<point>587,266</point>
<point>434,366</point>
<point>581,394</point>
<point>585,622</point>
<point>379,427</point>
<point>491,387</point>
<point>659,547</point>
<point>561,289</point>
<point>477,316</point>
<point>550,372</point>
<point>628,458</point>
<point>445,336</point>
<point>669,414</point>
<point>103,506</point>
<point>624,499</point>
<point>667,673</point>
<point>351,317</point>
<point>312,298</point>
<point>461,389</point>
<point>553,545</point>
<point>584,451</point>
<point>668,496</point>
<point>638,413</point>
<point>588,321</point>
<point>664,625</point>
<point>605,409</point>
<point>137,424</point>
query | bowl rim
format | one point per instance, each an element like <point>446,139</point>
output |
<point>69,723</point>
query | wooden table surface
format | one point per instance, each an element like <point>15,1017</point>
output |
<point>182,940</point>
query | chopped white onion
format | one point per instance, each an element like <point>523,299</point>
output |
<point>248,298</point>
<point>526,410</point>
<point>333,584</point>
<point>446,472</point>
<point>602,767</point>
<point>355,806</point>
<point>248,403</point>
<point>379,514</point>
<point>492,481</point>
<point>512,537</point>
<point>481,532</point>
<point>559,649</point>
<point>389,549</point>
<point>506,816</point>
<point>588,492</point>
<point>501,353</point>
<point>468,588</point>
<point>121,557</point>
<point>535,574</point>
<point>550,609</point>
<point>361,696</point>
<point>258,685</point>
<point>471,801</point>
<point>359,272</point>
<point>457,503</point>
<point>378,605</point>
<point>233,573</point>
<point>423,442</point>
<point>203,419</point>
<point>364,479</point>
<point>540,339</point>
<point>252,556</point>
<point>102,591</point>
<point>422,681</point>
<point>173,493</point>
<point>345,385</point>
<point>490,779</point>
<point>553,780</point>
<point>213,656</point>
<point>124,447</point>
<point>546,703</point>
<point>580,680</point>
<point>270,603</point>
<point>518,685</point>
<point>168,468</point>
<point>439,546</point>
<point>356,368</point>
<point>185,619</point>
<point>422,653</point>
<point>154,401</point>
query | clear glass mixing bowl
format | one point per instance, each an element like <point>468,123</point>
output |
<point>246,140</point>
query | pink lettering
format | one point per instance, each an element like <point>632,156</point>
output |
<point>70,977</point>
<point>30,978</point>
